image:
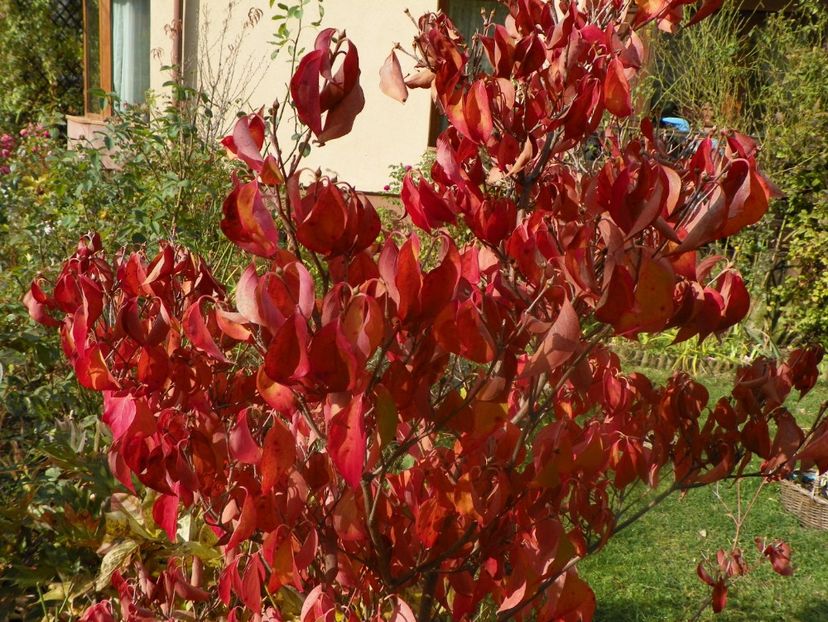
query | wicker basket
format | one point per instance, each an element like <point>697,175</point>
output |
<point>811,510</point>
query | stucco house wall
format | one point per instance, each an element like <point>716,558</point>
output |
<point>385,133</point>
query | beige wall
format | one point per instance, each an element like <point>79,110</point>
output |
<point>385,133</point>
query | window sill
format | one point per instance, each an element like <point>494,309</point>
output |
<point>88,131</point>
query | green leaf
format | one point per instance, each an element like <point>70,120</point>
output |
<point>115,559</point>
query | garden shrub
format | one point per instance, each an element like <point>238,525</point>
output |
<point>792,52</point>
<point>771,79</point>
<point>168,182</point>
<point>41,57</point>
<point>358,429</point>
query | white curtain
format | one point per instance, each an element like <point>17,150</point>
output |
<point>130,49</point>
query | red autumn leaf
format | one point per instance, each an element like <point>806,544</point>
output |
<point>401,612</point>
<point>431,515</point>
<point>746,196</point>
<point>408,279</point>
<point>271,174</point>
<point>708,7</point>
<point>440,284</point>
<point>420,79</point>
<point>304,89</point>
<point>99,612</point>
<point>280,295</point>
<point>246,298</point>
<point>493,220</point>
<point>278,552</point>
<point>779,554</point>
<point>232,325</point>
<point>278,396</point>
<point>341,117</point>
<point>423,205</point>
<point>278,454</point>
<point>719,597</point>
<point>341,96</point>
<point>559,344</point>
<point>649,10</point>
<point>247,140</point>
<point>392,82</point>
<point>307,552</point>
<point>153,367</point>
<point>247,221</point>
<point>119,413</point>
<point>347,437</point>
<point>92,371</point>
<point>287,356</point>
<point>617,90</point>
<point>251,584</point>
<point>326,221</point>
<point>514,599</point>
<point>460,329</point>
<point>332,361</point>
<point>165,514</point>
<point>227,580</point>
<point>735,297</point>
<point>363,325</point>
<point>478,114</point>
<point>37,308</point>
<point>242,445</point>
<point>653,299</point>
<point>195,328</point>
<point>162,266</point>
<point>246,524</point>
<point>618,297</point>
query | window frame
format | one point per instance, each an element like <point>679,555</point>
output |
<point>104,19</point>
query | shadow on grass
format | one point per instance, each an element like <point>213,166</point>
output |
<point>646,608</point>
<point>651,608</point>
<point>816,611</point>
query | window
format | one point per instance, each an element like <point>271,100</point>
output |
<point>466,16</point>
<point>116,52</point>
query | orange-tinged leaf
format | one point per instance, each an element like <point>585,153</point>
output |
<point>278,454</point>
<point>247,523</point>
<point>391,79</point>
<point>248,223</point>
<point>559,344</point>
<point>242,445</point>
<point>617,90</point>
<point>197,332</point>
<point>278,396</point>
<point>347,441</point>
<point>478,114</point>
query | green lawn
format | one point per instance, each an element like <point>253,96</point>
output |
<point>647,572</point>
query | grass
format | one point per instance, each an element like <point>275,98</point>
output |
<point>647,572</point>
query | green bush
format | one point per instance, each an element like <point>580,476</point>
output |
<point>40,56</point>
<point>792,51</point>
<point>162,180</point>
<point>773,79</point>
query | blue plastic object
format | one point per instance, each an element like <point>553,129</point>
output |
<point>676,123</point>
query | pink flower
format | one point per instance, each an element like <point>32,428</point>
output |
<point>4,153</point>
<point>5,170</point>
<point>24,132</point>
<point>386,187</point>
<point>407,167</point>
